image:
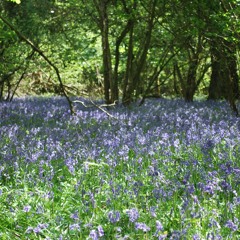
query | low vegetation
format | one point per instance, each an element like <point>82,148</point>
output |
<point>164,170</point>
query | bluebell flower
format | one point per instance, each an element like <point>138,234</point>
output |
<point>74,226</point>
<point>114,216</point>
<point>196,237</point>
<point>225,186</point>
<point>100,231</point>
<point>133,214</point>
<point>231,225</point>
<point>93,235</point>
<point>190,189</point>
<point>236,201</point>
<point>153,211</point>
<point>142,226</point>
<point>176,235</point>
<point>29,230</point>
<point>37,229</point>
<point>43,225</point>
<point>27,208</point>
<point>159,229</point>
<point>213,224</point>
<point>159,226</point>
<point>75,216</point>
<point>213,236</point>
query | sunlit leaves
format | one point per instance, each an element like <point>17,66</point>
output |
<point>16,1</point>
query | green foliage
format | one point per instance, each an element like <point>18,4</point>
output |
<point>70,33</point>
<point>48,190</point>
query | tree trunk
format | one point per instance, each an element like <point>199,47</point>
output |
<point>224,79</point>
<point>117,54</point>
<point>128,81</point>
<point>191,80</point>
<point>107,63</point>
<point>215,90</point>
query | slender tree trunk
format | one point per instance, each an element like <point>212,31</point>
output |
<point>191,81</point>
<point>215,90</point>
<point>117,54</point>
<point>107,63</point>
<point>128,81</point>
<point>232,78</point>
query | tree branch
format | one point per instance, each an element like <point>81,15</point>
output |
<point>40,52</point>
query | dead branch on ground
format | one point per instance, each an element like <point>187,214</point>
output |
<point>100,107</point>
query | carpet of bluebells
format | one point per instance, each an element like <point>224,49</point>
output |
<point>165,170</point>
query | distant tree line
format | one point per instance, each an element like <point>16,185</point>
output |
<point>131,49</point>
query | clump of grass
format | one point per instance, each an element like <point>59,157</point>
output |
<point>166,170</point>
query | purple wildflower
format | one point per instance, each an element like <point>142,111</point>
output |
<point>142,226</point>
<point>213,224</point>
<point>74,216</point>
<point>37,229</point>
<point>195,199</point>
<point>226,186</point>
<point>190,189</point>
<point>40,210</point>
<point>196,237</point>
<point>230,224</point>
<point>159,226</point>
<point>176,235</point>
<point>114,216</point>
<point>213,236</point>
<point>162,236</point>
<point>27,208</point>
<point>43,225</point>
<point>153,211</point>
<point>74,226</point>
<point>93,235</point>
<point>100,231</point>
<point>237,200</point>
<point>133,214</point>
<point>29,230</point>
<point>88,225</point>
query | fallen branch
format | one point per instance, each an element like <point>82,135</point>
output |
<point>100,107</point>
